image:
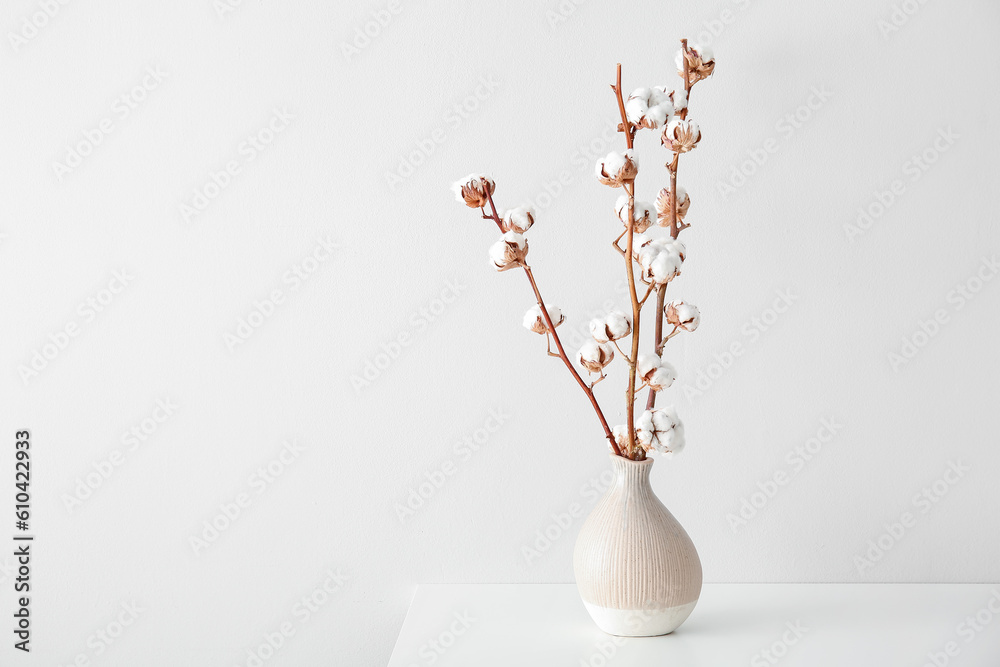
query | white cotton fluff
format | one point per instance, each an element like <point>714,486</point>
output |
<point>641,210</point>
<point>532,318</point>
<point>535,321</point>
<point>702,51</point>
<point>659,265</point>
<point>662,377</point>
<point>500,251</point>
<point>645,365</point>
<point>519,219</point>
<point>514,239</point>
<point>671,245</point>
<point>498,254</point>
<point>614,326</point>
<point>660,430</point>
<point>599,330</point>
<point>594,356</point>
<point>680,99</point>
<point>639,241</point>
<point>472,180</point>
<point>658,115</point>
<point>621,208</point>
<point>648,107</point>
<point>682,314</point>
<point>637,105</point>
<point>676,98</point>
<point>611,163</point>
<point>665,267</point>
<point>619,324</point>
<point>682,133</point>
<point>679,60</point>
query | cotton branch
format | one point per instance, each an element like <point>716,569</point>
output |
<point>629,186</point>
<point>676,226</point>
<point>588,389</point>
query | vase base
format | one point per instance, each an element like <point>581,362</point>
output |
<point>640,622</point>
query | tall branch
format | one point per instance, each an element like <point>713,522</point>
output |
<point>629,186</point>
<point>675,229</point>
<point>555,336</point>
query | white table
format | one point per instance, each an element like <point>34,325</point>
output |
<point>814,625</point>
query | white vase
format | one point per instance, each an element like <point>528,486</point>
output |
<point>636,568</point>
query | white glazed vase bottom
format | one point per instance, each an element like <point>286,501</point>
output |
<point>636,568</point>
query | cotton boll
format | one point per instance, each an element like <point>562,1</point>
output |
<point>636,105</point>
<point>700,62</point>
<point>595,356</point>
<point>665,204</point>
<point>682,315</point>
<point>680,136</point>
<point>518,219</point>
<point>621,208</point>
<point>612,162</point>
<point>671,431</point>
<point>642,213</point>
<point>647,109</point>
<point>509,251</point>
<point>471,191</point>
<point>661,266</point>
<point>645,365</point>
<point>644,430</point>
<point>662,377</point>
<point>598,329</point>
<point>619,324</point>
<point>614,326</point>
<point>660,430</point>
<point>661,259</point>
<point>535,321</point>
<point>616,168</point>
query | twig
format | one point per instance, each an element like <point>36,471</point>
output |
<point>626,126</point>
<point>676,226</point>
<point>629,186</point>
<point>624,356</point>
<point>555,336</point>
<point>658,336</point>
<point>649,291</point>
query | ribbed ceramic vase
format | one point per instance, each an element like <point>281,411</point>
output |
<point>636,568</point>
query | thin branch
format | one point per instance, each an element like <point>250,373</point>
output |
<point>615,245</point>
<point>624,356</point>
<point>649,291</point>
<point>626,126</point>
<point>562,352</point>
<point>687,78</point>
<point>676,226</point>
<point>629,186</point>
<point>658,337</point>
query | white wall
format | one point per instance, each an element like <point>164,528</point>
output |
<point>543,116</point>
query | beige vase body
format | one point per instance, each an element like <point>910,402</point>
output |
<point>636,568</point>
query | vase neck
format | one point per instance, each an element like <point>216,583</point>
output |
<point>631,474</point>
